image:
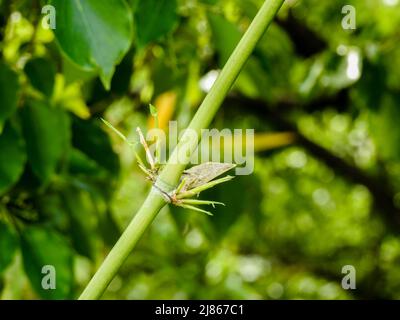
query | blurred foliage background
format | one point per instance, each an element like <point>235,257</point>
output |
<point>325,106</point>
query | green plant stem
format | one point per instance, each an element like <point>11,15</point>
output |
<point>125,244</point>
<point>172,172</point>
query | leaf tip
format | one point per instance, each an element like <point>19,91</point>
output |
<point>153,110</point>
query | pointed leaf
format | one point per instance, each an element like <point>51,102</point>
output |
<point>153,110</point>
<point>187,206</point>
<point>94,34</point>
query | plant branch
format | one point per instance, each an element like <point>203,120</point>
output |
<point>172,171</point>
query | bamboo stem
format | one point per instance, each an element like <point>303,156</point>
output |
<point>172,171</point>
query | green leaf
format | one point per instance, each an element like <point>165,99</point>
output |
<point>42,247</point>
<point>47,135</point>
<point>94,34</point>
<point>41,73</point>
<point>8,246</point>
<point>9,88</point>
<point>154,19</point>
<point>12,157</point>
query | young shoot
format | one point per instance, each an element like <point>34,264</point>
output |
<point>193,181</point>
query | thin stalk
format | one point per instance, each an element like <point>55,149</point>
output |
<point>146,214</point>
<point>199,189</point>
<point>172,172</point>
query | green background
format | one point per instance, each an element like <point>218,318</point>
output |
<point>325,106</point>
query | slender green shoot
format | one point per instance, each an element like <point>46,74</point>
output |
<point>117,132</point>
